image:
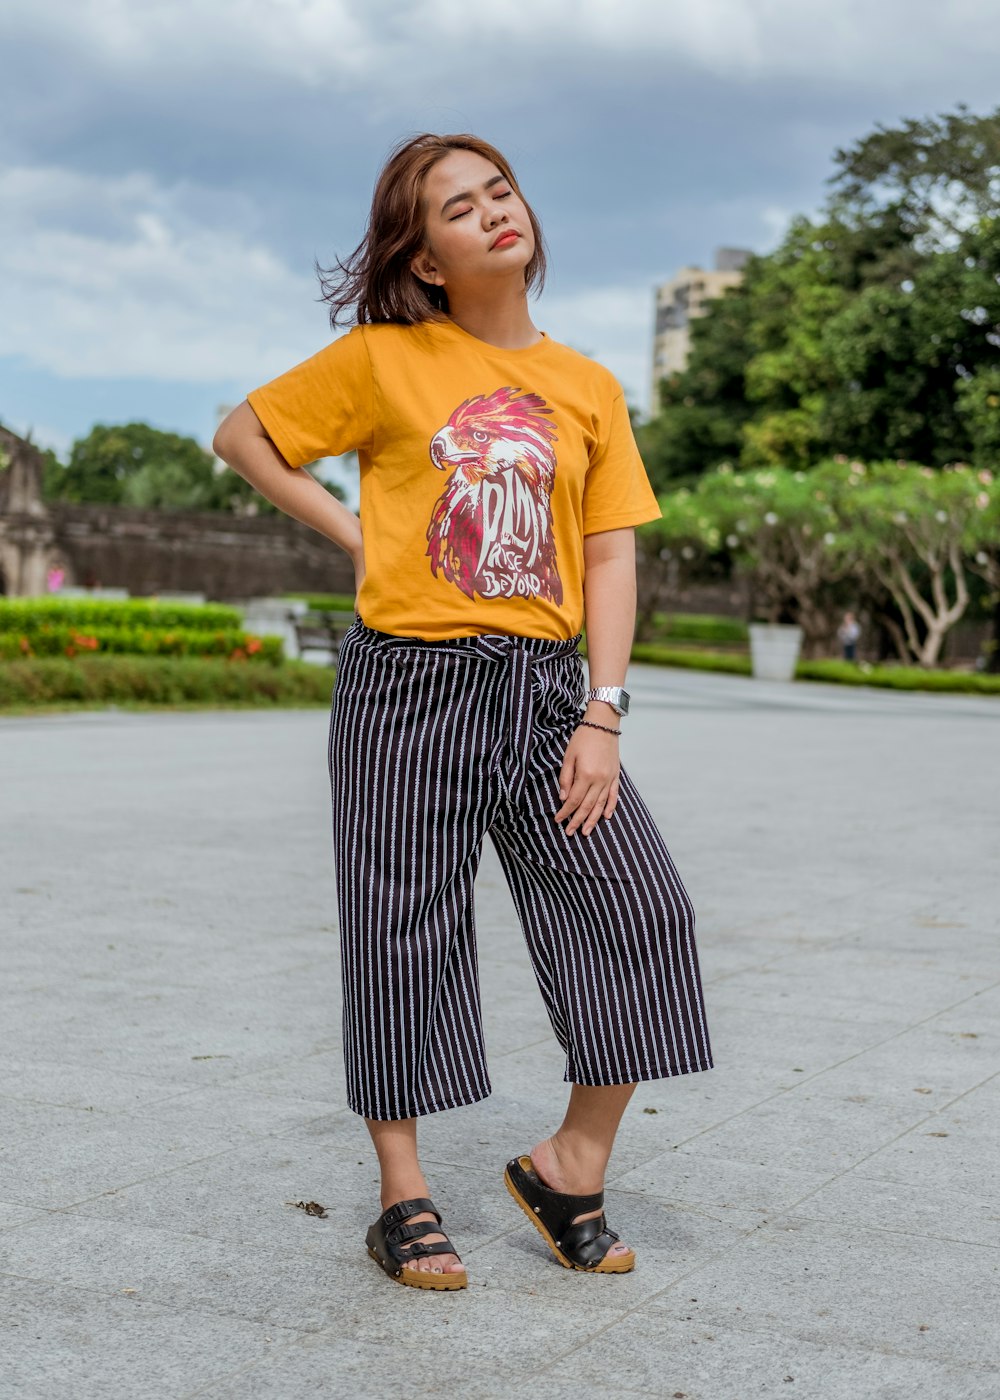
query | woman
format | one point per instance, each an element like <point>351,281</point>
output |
<point>500,488</point>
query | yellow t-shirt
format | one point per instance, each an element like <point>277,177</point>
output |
<point>481,471</point>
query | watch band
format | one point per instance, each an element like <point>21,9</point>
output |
<point>613,695</point>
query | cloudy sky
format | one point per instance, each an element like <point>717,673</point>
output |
<point>169,170</point>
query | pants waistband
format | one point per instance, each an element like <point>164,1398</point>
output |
<point>517,654</point>
<point>495,646</point>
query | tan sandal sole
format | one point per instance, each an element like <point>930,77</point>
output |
<point>423,1278</point>
<point>616,1264</point>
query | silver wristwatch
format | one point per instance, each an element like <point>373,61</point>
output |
<point>614,695</point>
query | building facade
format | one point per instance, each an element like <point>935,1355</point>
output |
<point>146,552</point>
<point>680,301</point>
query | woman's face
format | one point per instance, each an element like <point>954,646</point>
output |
<point>476,225</point>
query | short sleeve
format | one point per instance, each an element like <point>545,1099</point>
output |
<point>617,491</point>
<point>322,407</point>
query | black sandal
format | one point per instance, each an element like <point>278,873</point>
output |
<point>584,1246</point>
<point>393,1244</point>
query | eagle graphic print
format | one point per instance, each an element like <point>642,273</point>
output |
<point>491,528</point>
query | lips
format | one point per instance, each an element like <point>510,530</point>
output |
<point>505,239</point>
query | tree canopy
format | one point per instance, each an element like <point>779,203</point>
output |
<point>872,331</point>
<point>134,464</point>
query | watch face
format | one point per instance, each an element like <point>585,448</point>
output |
<point>614,695</point>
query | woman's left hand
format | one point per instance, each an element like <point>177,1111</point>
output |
<point>588,779</point>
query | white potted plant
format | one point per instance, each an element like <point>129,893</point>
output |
<point>774,650</point>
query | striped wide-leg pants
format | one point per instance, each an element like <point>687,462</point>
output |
<point>434,745</point>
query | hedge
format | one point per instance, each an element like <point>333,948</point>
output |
<point>16,614</point>
<point>899,677</point>
<point>63,639</point>
<point>324,602</point>
<point>155,680</point>
<point>834,671</point>
<point>701,627</point>
<point>658,655</point>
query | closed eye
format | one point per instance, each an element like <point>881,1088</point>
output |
<point>506,195</point>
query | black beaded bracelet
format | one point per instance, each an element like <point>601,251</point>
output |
<point>606,729</point>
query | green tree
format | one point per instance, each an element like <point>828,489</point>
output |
<point>783,532</point>
<point>872,331</point>
<point>932,177</point>
<point>915,364</point>
<point>700,416</point>
<point>916,530</point>
<point>137,465</point>
<point>133,464</point>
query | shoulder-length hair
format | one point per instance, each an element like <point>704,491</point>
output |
<point>376,282</point>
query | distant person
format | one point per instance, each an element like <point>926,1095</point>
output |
<point>500,488</point>
<point>847,634</point>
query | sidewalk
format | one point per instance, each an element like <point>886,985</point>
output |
<point>816,1217</point>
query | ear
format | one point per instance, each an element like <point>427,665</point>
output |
<point>424,267</point>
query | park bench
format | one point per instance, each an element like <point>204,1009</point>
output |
<point>321,632</point>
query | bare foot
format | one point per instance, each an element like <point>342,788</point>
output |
<point>565,1176</point>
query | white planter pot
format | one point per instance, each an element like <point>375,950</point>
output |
<point>774,650</point>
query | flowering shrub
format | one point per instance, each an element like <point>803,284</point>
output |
<point>781,528</point>
<point>798,536</point>
<point>44,638</point>
<point>915,529</point>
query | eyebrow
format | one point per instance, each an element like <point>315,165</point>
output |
<point>467,194</point>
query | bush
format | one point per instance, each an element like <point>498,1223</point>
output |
<point>702,627</point>
<point>17,614</point>
<point>151,680</point>
<point>42,638</point>
<point>325,602</point>
<point>837,672</point>
<point>899,677</point>
<point>737,664</point>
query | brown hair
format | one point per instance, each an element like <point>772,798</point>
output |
<point>376,281</point>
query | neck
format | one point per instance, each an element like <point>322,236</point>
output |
<point>499,316</point>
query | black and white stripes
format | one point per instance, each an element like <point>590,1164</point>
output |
<point>434,745</point>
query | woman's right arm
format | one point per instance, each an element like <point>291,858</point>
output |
<point>243,445</point>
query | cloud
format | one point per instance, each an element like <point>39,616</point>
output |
<point>336,42</point>
<point>613,323</point>
<point>111,277</point>
<point>114,277</point>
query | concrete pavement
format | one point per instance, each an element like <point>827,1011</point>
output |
<point>816,1217</point>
